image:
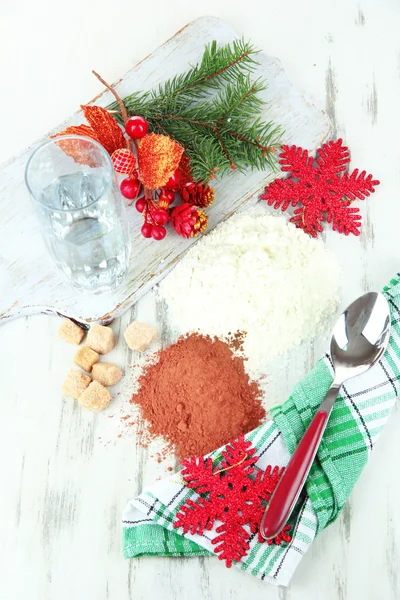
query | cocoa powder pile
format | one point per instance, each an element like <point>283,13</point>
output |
<point>198,396</point>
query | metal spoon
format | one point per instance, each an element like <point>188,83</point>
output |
<point>359,339</point>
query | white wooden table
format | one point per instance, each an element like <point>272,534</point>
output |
<point>65,475</point>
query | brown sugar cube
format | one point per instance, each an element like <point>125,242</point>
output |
<point>70,332</point>
<point>75,383</point>
<point>138,336</point>
<point>85,358</point>
<point>95,397</point>
<point>100,339</point>
<point>106,373</point>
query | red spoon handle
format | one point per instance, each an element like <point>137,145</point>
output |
<point>293,479</point>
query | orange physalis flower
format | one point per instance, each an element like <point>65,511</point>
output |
<point>158,158</point>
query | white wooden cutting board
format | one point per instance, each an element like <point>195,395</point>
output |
<point>29,282</point>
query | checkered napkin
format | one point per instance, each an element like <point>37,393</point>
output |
<point>357,419</point>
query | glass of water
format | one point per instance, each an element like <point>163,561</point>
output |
<point>81,211</point>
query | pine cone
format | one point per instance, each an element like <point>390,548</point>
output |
<point>188,221</point>
<point>198,194</point>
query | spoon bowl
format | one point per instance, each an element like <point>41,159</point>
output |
<point>360,336</point>
<point>359,339</point>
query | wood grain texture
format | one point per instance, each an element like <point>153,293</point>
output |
<point>31,284</point>
<point>63,488</point>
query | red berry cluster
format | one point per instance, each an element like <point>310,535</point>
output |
<point>186,219</point>
<point>156,215</point>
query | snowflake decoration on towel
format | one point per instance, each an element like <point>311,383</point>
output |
<point>229,495</point>
<point>325,190</point>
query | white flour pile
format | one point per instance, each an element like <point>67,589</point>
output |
<point>255,273</point>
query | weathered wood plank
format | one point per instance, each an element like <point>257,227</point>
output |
<point>51,459</point>
<point>28,278</point>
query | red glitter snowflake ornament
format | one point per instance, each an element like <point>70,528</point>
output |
<point>229,495</point>
<point>325,190</point>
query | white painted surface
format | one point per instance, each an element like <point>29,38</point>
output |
<point>63,489</point>
<point>30,282</point>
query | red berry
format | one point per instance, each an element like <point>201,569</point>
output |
<point>158,232</point>
<point>161,216</point>
<point>136,127</point>
<point>173,181</point>
<point>147,230</point>
<point>169,195</point>
<point>140,205</point>
<point>130,188</point>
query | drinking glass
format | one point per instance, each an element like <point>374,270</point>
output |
<point>81,211</point>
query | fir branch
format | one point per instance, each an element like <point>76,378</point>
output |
<point>242,138</point>
<point>224,149</point>
<point>214,111</point>
<point>225,62</point>
<point>206,158</point>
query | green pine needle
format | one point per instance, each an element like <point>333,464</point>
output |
<point>213,110</point>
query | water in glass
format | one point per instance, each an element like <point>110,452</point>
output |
<point>82,213</point>
<point>87,248</point>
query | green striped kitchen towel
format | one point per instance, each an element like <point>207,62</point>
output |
<point>354,427</point>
